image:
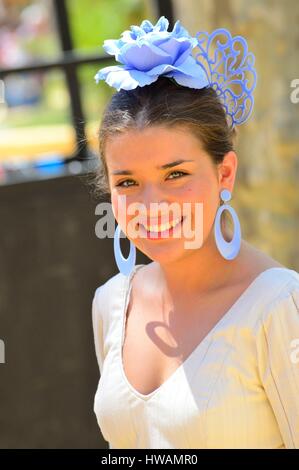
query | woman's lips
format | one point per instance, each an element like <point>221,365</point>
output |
<point>165,234</point>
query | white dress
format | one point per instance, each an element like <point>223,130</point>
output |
<point>239,388</point>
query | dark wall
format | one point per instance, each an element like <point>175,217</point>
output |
<point>50,265</point>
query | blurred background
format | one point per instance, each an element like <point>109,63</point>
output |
<point>50,258</point>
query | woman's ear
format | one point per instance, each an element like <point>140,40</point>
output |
<point>227,170</point>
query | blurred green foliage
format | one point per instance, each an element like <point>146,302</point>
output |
<point>91,22</point>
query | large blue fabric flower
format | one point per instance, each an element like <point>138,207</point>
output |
<point>147,52</point>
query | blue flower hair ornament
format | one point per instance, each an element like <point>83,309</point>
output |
<point>148,51</point>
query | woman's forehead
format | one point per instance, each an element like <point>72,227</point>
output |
<point>150,147</point>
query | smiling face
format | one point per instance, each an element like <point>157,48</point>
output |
<point>136,163</point>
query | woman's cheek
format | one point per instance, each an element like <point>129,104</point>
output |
<point>119,208</point>
<point>114,203</point>
<point>203,193</point>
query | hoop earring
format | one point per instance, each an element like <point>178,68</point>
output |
<point>125,265</point>
<point>228,250</point>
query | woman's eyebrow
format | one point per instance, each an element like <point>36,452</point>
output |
<point>162,167</point>
<point>171,164</point>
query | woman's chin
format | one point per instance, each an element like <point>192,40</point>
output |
<point>164,254</point>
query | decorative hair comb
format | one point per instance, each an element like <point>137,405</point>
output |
<point>148,51</point>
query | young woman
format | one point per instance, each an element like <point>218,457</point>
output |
<point>199,348</point>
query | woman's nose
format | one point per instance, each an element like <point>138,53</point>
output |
<point>154,204</point>
<point>150,195</point>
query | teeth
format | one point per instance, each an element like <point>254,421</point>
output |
<point>161,228</point>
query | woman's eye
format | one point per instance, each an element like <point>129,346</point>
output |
<point>121,184</point>
<point>176,171</point>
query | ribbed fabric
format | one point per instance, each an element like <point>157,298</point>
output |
<point>239,388</point>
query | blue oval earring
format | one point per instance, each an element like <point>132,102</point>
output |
<point>228,250</point>
<point>125,265</point>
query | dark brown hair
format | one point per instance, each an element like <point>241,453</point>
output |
<point>166,103</point>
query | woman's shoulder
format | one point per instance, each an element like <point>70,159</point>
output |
<point>281,275</point>
<point>283,285</point>
<point>274,280</point>
<point>277,301</point>
<point>113,289</point>
<point>109,285</point>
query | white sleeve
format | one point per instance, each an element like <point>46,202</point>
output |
<point>97,324</point>
<point>278,363</point>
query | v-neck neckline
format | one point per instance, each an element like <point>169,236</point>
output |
<point>171,377</point>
